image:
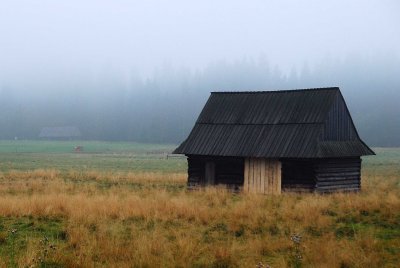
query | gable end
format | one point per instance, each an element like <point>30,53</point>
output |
<point>338,125</point>
<point>339,136</point>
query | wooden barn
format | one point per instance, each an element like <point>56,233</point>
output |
<point>273,141</point>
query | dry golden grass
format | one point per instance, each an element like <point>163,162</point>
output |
<point>150,220</point>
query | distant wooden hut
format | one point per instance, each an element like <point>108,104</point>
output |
<point>268,141</point>
<point>60,133</point>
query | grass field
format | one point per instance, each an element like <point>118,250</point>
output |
<point>126,205</point>
<point>99,156</point>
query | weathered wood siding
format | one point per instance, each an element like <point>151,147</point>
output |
<point>321,175</point>
<point>230,171</point>
<point>196,172</point>
<point>298,175</point>
<point>340,174</point>
<point>215,170</point>
<point>262,175</point>
<point>270,176</point>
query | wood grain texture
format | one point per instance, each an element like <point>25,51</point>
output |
<point>262,176</point>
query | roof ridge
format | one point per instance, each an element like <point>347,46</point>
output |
<point>276,91</point>
<point>259,124</point>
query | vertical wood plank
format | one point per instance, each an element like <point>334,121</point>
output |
<point>262,175</point>
<point>246,178</point>
<point>273,181</point>
<point>270,176</point>
<point>266,187</point>
<point>255,175</point>
<point>258,175</point>
<point>266,176</point>
<point>210,173</point>
<point>248,175</point>
<point>256,181</point>
<point>279,177</point>
<point>273,176</point>
<point>252,175</point>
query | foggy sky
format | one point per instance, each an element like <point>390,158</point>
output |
<point>47,38</point>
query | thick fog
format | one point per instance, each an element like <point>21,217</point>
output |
<point>142,70</point>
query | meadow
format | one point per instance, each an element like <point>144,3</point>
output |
<point>126,205</point>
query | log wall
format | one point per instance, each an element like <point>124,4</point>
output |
<point>204,171</point>
<point>196,172</point>
<point>262,175</point>
<point>338,175</point>
<point>229,171</point>
<point>270,176</point>
<point>298,175</point>
<point>321,175</point>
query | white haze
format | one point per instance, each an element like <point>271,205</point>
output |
<point>47,38</point>
<point>142,70</point>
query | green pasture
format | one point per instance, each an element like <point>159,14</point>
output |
<point>95,155</point>
<point>386,161</point>
<point>131,156</point>
<point>22,146</point>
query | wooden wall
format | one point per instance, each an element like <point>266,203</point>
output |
<point>270,176</point>
<point>321,175</point>
<point>229,171</point>
<point>196,172</point>
<point>338,174</point>
<point>262,175</point>
<point>298,175</point>
<point>206,170</point>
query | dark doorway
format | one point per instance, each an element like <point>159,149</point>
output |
<point>230,171</point>
<point>216,170</point>
<point>298,175</point>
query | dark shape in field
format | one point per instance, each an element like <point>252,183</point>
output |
<point>60,133</point>
<point>78,149</point>
<point>268,141</point>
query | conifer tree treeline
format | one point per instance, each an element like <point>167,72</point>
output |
<point>164,107</point>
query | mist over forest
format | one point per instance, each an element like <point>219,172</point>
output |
<point>142,70</point>
<point>114,105</point>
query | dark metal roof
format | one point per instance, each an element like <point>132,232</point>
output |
<point>343,148</point>
<point>252,140</point>
<point>268,107</point>
<point>268,124</point>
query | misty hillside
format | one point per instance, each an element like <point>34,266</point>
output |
<point>113,105</point>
